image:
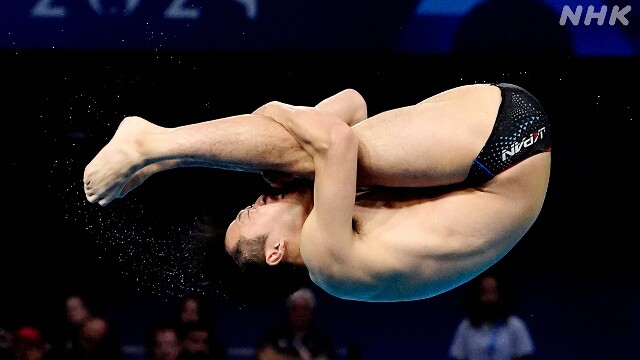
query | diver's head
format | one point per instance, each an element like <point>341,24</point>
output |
<point>268,231</point>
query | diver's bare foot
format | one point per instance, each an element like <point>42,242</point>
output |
<point>115,165</point>
<point>143,174</point>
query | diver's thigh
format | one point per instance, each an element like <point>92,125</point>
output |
<point>428,144</point>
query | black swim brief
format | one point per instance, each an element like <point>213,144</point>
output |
<point>522,129</point>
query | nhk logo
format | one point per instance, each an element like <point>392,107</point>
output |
<point>617,14</point>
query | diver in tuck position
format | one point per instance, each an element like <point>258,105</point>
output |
<point>403,205</point>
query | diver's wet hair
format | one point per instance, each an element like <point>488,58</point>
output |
<point>252,283</point>
<point>249,252</point>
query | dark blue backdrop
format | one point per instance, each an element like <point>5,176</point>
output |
<point>404,26</point>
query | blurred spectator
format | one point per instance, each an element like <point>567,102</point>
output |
<point>6,343</point>
<point>192,323</point>
<point>490,331</point>
<point>164,342</point>
<point>67,340</point>
<point>199,343</point>
<point>96,342</point>
<point>28,344</point>
<point>193,309</point>
<point>77,313</point>
<point>299,338</point>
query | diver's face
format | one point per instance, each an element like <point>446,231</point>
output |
<point>269,214</point>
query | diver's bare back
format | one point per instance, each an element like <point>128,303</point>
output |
<point>420,246</point>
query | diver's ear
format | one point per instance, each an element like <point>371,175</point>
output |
<point>275,253</point>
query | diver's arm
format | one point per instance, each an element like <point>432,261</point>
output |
<point>327,237</point>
